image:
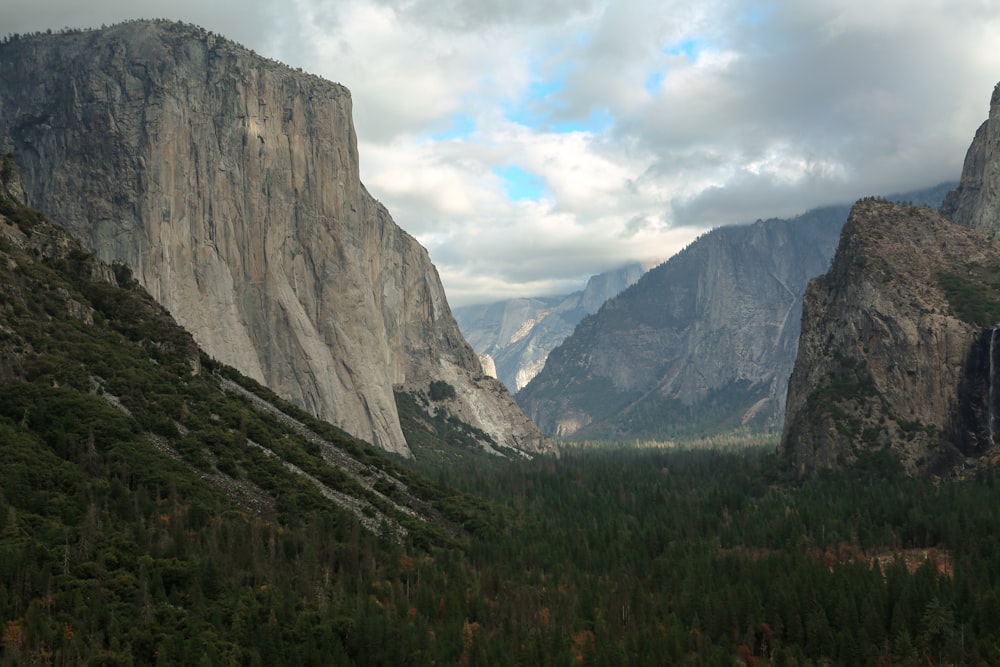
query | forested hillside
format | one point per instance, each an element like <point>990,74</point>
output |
<point>604,557</point>
<point>158,508</point>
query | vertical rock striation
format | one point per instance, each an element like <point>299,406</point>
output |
<point>230,184</point>
<point>976,201</point>
<point>704,342</point>
<point>890,354</point>
<point>898,345</point>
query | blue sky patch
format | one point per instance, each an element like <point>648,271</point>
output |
<point>529,110</point>
<point>689,48</point>
<point>759,12</point>
<point>539,108</point>
<point>457,126</point>
<point>519,183</point>
<point>653,82</point>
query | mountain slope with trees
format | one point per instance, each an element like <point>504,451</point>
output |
<point>158,508</point>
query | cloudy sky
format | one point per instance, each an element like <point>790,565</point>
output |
<point>531,143</point>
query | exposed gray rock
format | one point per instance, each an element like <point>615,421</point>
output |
<point>519,333</point>
<point>489,367</point>
<point>230,184</point>
<point>899,339</point>
<point>976,201</point>
<point>703,343</point>
<point>891,354</point>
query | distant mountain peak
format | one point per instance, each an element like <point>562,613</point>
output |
<point>703,343</point>
<point>518,334</point>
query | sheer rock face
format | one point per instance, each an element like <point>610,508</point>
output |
<point>899,345</point>
<point>976,201</point>
<point>704,341</point>
<point>885,359</point>
<point>230,184</point>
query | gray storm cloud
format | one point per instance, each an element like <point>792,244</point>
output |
<point>647,122</point>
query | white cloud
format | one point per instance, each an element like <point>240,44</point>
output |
<point>645,122</point>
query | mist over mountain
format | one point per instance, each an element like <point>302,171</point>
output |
<point>898,351</point>
<point>518,334</point>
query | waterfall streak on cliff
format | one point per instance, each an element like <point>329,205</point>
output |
<point>993,377</point>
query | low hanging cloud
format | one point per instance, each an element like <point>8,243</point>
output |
<point>530,144</point>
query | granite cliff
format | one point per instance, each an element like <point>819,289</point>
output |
<point>976,201</point>
<point>898,348</point>
<point>97,380</point>
<point>518,334</point>
<point>230,184</point>
<point>703,342</point>
<point>897,344</point>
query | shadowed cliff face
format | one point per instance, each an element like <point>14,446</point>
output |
<point>899,348</point>
<point>704,342</point>
<point>230,184</point>
<point>894,351</point>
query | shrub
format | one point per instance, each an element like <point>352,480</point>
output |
<point>441,390</point>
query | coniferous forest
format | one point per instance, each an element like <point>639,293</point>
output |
<point>603,556</point>
<point>152,512</point>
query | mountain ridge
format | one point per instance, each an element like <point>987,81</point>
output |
<point>518,334</point>
<point>886,348</point>
<point>230,185</point>
<point>703,343</point>
<point>897,354</point>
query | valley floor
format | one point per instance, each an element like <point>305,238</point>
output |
<point>606,555</point>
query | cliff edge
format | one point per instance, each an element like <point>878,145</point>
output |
<point>897,346</point>
<point>230,184</point>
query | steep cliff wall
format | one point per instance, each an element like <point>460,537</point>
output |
<point>703,342</point>
<point>976,201</point>
<point>900,348</point>
<point>230,184</point>
<point>518,334</point>
<point>896,348</point>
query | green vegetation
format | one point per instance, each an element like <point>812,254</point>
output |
<point>974,297</point>
<point>435,435</point>
<point>441,391</point>
<point>148,516</point>
<point>605,556</point>
<point>654,415</point>
<point>24,217</point>
<point>142,522</point>
<point>847,390</point>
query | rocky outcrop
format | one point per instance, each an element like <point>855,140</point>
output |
<point>976,201</point>
<point>518,334</point>
<point>897,345</point>
<point>230,184</point>
<point>489,366</point>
